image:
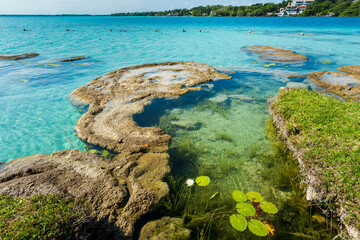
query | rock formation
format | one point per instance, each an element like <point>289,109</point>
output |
<point>164,229</point>
<point>72,59</point>
<point>275,54</point>
<point>18,56</point>
<point>344,84</point>
<point>114,97</point>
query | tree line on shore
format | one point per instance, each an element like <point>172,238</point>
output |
<point>318,8</point>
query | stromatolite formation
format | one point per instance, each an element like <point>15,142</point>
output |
<point>275,54</point>
<point>344,84</point>
<point>129,186</point>
<point>114,97</point>
<point>18,56</point>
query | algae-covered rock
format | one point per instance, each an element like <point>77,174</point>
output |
<point>18,56</point>
<point>116,96</point>
<point>275,54</point>
<point>121,190</point>
<point>72,59</point>
<point>165,229</point>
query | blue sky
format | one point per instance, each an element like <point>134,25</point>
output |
<point>107,6</point>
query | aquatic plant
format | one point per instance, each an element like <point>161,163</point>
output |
<point>202,181</point>
<point>215,107</point>
<point>253,209</point>
<point>101,152</point>
<point>223,136</point>
<point>184,155</point>
<point>165,123</point>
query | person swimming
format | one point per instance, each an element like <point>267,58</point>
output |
<point>184,30</point>
<point>250,31</point>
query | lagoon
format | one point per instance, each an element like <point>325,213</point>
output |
<point>230,115</point>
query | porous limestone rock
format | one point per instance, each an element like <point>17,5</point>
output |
<point>165,229</point>
<point>114,97</point>
<point>120,191</point>
<point>343,84</point>
<point>275,54</point>
<point>18,56</point>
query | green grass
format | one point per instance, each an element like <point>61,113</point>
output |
<point>41,217</point>
<point>327,132</point>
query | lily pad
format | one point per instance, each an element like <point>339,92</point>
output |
<point>202,181</point>
<point>258,228</point>
<point>268,207</point>
<point>255,196</point>
<point>238,222</point>
<point>245,209</point>
<point>239,196</point>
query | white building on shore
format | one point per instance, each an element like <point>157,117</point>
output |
<point>294,7</point>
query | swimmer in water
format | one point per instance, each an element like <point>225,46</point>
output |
<point>184,30</point>
<point>250,31</point>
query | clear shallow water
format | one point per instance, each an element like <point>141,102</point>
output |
<point>36,116</point>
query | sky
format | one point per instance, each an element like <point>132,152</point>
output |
<point>108,6</point>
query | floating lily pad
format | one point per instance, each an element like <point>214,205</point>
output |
<point>245,209</point>
<point>257,228</point>
<point>255,196</point>
<point>238,222</point>
<point>268,207</point>
<point>202,181</point>
<point>239,196</point>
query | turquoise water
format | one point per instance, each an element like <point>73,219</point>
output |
<point>35,115</point>
<point>228,117</point>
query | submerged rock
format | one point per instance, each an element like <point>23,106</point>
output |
<point>114,97</point>
<point>297,85</point>
<point>275,54</point>
<point>18,56</point>
<point>164,229</point>
<point>72,59</point>
<point>343,84</point>
<point>121,190</point>
<point>187,125</point>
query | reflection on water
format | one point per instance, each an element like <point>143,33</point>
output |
<point>223,132</point>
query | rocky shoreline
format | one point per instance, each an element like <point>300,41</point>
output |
<point>315,188</point>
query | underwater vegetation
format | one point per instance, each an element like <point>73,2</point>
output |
<point>222,108</point>
<point>206,211</point>
<point>223,136</point>
<point>165,123</point>
<point>106,154</point>
<point>184,155</point>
